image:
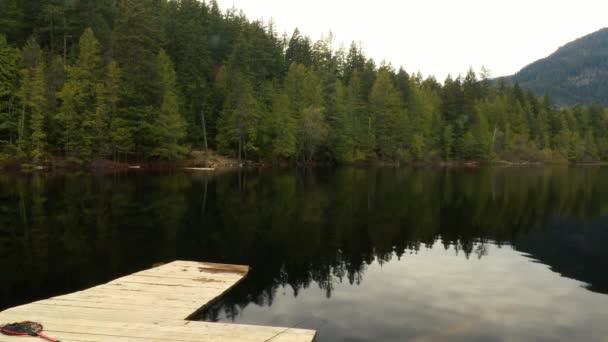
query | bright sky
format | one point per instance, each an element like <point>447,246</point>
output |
<point>439,37</point>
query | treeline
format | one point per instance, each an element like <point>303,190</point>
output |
<point>151,79</point>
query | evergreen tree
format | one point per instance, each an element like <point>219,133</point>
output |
<point>12,20</point>
<point>139,35</point>
<point>389,118</point>
<point>313,132</point>
<point>312,128</point>
<point>355,62</point>
<point>169,128</point>
<point>279,128</point>
<point>54,78</point>
<point>9,77</point>
<point>341,140</point>
<point>448,142</point>
<point>78,113</point>
<point>299,50</point>
<point>361,119</point>
<point>425,123</point>
<point>32,133</point>
<point>108,133</point>
<point>148,78</point>
<point>187,45</point>
<point>304,88</point>
<point>237,124</point>
<point>433,123</point>
<point>480,130</point>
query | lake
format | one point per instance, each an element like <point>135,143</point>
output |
<point>360,254</point>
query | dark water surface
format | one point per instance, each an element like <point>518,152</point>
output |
<point>358,254</point>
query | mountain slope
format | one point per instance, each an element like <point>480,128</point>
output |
<point>576,73</point>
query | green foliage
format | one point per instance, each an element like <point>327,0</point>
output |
<point>31,126</point>
<point>169,128</point>
<point>279,128</point>
<point>448,142</point>
<point>356,107</point>
<point>9,77</point>
<point>238,120</point>
<point>342,141</point>
<point>149,79</point>
<point>11,19</point>
<point>312,132</point>
<point>389,119</point>
<point>80,97</point>
<point>9,59</point>
<point>107,110</point>
<point>187,44</point>
<point>139,34</point>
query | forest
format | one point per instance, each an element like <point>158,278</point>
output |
<point>126,80</point>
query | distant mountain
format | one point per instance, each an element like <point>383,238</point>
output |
<point>576,73</point>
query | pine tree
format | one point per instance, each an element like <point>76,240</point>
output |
<point>139,35</point>
<point>433,122</point>
<point>188,47</point>
<point>448,142</point>
<point>237,124</point>
<point>341,140</point>
<point>299,50</point>
<point>54,78</point>
<point>313,132</point>
<point>425,123</point>
<point>471,92</point>
<point>79,96</point>
<point>312,127</point>
<point>233,84</point>
<point>303,87</point>
<point>480,130</point>
<point>108,137</point>
<point>32,140</point>
<point>389,118</point>
<point>36,102</point>
<point>279,127</point>
<point>360,117</point>
<point>355,62</point>
<point>13,22</point>
<point>9,77</point>
<point>169,128</point>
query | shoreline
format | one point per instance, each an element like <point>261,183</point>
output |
<point>210,162</point>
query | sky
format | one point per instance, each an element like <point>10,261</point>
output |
<point>439,37</point>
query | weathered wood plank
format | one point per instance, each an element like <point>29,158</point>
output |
<point>149,306</point>
<point>166,331</point>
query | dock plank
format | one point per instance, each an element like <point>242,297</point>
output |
<point>150,305</point>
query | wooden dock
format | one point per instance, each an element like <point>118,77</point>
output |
<point>151,305</point>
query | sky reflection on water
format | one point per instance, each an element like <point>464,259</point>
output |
<point>359,254</point>
<point>436,294</point>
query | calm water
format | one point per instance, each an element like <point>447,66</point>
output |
<point>358,254</point>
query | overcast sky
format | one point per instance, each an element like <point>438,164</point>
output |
<point>439,37</point>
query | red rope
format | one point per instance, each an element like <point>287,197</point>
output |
<point>21,329</point>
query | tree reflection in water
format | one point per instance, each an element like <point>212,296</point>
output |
<point>298,228</point>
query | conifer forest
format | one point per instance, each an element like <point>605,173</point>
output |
<point>129,80</point>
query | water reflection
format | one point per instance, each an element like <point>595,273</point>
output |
<point>340,250</point>
<point>434,295</point>
<point>573,248</point>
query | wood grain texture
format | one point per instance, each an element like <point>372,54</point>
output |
<point>151,305</point>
